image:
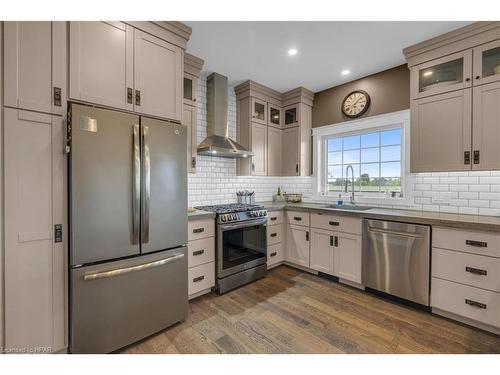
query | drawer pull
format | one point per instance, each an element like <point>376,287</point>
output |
<point>273,218</point>
<point>334,223</point>
<point>198,230</point>
<point>273,254</point>
<point>198,252</point>
<point>476,271</point>
<point>198,279</point>
<point>297,218</point>
<point>476,243</point>
<point>274,234</point>
<point>475,304</point>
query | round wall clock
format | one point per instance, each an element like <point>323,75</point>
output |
<point>356,104</point>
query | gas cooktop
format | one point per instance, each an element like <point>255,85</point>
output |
<point>230,208</point>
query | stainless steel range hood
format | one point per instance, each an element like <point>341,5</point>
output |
<point>218,142</point>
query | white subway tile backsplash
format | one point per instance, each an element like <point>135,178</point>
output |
<point>215,181</point>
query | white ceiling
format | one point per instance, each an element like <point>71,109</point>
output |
<point>258,50</point>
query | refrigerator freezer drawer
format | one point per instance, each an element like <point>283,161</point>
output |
<point>118,303</point>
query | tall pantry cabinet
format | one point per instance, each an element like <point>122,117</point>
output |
<point>276,127</point>
<point>34,103</point>
<point>136,67</point>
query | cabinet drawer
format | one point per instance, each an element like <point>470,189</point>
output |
<point>274,234</point>
<point>201,229</point>
<point>275,217</point>
<point>482,243</point>
<point>475,270</point>
<point>275,254</point>
<point>337,223</point>
<point>201,278</point>
<point>467,301</point>
<point>298,218</point>
<point>201,251</point>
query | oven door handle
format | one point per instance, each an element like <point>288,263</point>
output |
<point>242,224</point>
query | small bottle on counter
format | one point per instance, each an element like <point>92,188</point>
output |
<point>340,201</point>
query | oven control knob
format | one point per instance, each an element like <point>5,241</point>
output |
<point>235,217</point>
<point>223,218</point>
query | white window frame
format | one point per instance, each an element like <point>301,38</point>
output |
<point>400,119</point>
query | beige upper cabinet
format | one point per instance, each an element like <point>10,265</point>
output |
<point>35,66</point>
<point>297,245</point>
<point>158,77</point>
<point>190,89</point>
<point>275,116</point>
<point>259,148</point>
<point>259,111</point>
<point>440,132</point>
<point>487,63</point>
<point>291,116</point>
<point>35,272</point>
<point>442,75</point>
<point>322,251</point>
<point>274,151</point>
<point>347,259</point>
<point>102,63</point>
<point>486,128</point>
<point>291,152</point>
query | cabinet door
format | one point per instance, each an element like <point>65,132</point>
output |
<point>35,65</point>
<point>35,269</point>
<point>322,251</point>
<point>347,258</point>
<point>189,119</point>
<point>441,132</point>
<point>275,117</point>
<point>486,127</point>
<point>259,148</point>
<point>274,151</point>
<point>449,73</point>
<point>487,63</point>
<point>259,111</point>
<point>297,243</point>
<point>190,89</point>
<point>158,77</point>
<point>291,116</point>
<point>291,152</point>
<point>101,60</point>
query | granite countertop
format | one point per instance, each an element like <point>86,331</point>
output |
<point>200,214</point>
<point>472,222</point>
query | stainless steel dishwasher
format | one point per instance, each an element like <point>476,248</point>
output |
<point>396,259</point>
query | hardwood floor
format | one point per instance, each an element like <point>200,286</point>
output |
<point>291,311</point>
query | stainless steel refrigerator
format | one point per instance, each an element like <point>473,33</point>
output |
<point>128,223</point>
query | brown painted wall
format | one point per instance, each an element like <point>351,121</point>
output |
<point>389,92</point>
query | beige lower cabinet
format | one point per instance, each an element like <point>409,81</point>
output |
<point>298,245</point>
<point>347,261</point>
<point>201,256</point>
<point>322,251</point>
<point>35,261</point>
<point>275,239</point>
<point>274,151</point>
<point>465,283</point>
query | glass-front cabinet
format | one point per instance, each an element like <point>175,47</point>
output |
<point>275,117</point>
<point>190,85</point>
<point>291,116</point>
<point>442,75</point>
<point>259,111</point>
<point>487,63</point>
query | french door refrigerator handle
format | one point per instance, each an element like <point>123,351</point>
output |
<point>136,186</point>
<point>146,181</point>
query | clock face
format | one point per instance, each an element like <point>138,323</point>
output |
<point>356,103</point>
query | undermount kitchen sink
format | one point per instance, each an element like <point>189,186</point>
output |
<point>348,208</point>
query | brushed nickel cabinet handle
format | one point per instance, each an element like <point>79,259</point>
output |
<point>198,279</point>
<point>475,304</point>
<point>476,243</point>
<point>476,271</point>
<point>198,252</point>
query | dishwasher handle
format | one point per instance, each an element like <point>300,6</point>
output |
<point>412,235</point>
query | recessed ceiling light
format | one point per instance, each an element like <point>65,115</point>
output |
<point>292,51</point>
<point>345,72</point>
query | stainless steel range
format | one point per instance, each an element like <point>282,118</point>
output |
<point>241,244</point>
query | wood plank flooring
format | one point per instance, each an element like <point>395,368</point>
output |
<point>291,311</point>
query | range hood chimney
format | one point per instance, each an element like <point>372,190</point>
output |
<point>218,142</point>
